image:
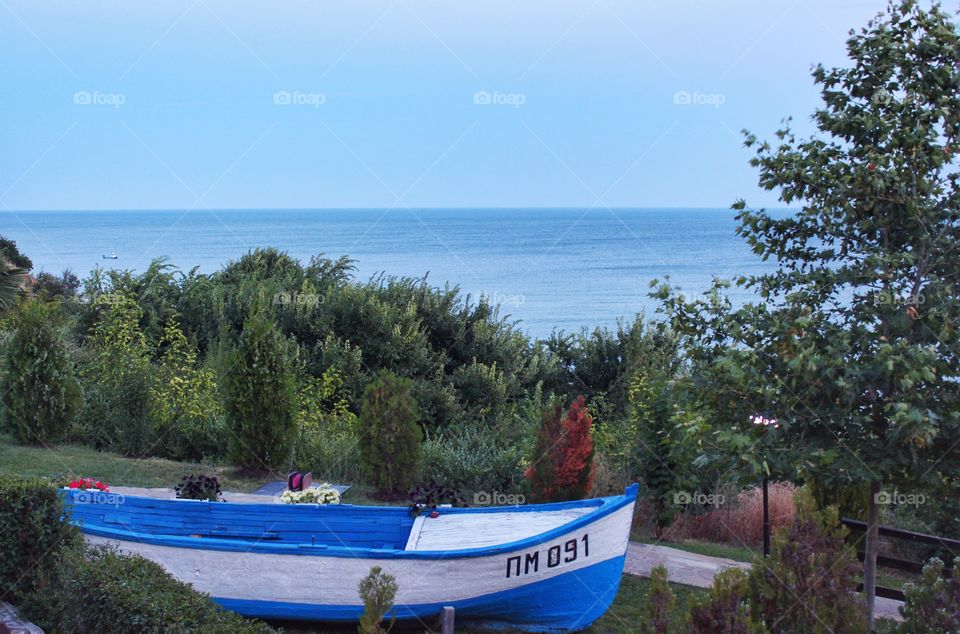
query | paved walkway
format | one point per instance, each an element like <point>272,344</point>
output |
<point>692,569</point>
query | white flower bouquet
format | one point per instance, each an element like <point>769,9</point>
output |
<point>320,494</point>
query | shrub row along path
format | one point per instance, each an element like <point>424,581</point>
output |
<point>693,569</point>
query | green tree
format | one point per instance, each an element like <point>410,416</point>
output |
<point>116,377</point>
<point>328,438</point>
<point>10,253</point>
<point>12,278</point>
<point>390,434</point>
<point>41,394</point>
<point>854,350</point>
<point>660,445</point>
<point>185,408</point>
<point>261,398</point>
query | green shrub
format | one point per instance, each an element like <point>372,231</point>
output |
<point>328,442</point>
<point>474,459</point>
<point>933,605</point>
<point>261,396</point>
<point>391,434</point>
<point>117,378</point>
<point>106,592</point>
<point>808,583</point>
<point>41,395</point>
<point>726,609</point>
<point>377,591</point>
<point>33,541</point>
<point>185,409</point>
<point>660,602</point>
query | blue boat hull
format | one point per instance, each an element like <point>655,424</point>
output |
<point>553,605</point>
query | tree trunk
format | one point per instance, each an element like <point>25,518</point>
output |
<point>870,551</point>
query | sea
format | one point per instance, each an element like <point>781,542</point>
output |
<point>549,269</point>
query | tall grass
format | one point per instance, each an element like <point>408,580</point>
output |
<point>737,521</point>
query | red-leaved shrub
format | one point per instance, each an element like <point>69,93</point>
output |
<point>562,467</point>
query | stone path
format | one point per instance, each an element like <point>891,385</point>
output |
<point>692,569</point>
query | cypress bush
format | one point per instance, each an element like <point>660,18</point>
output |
<point>261,398</point>
<point>41,394</point>
<point>390,434</point>
<point>660,601</point>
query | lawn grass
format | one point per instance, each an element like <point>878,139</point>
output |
<point>628,610</point>
<point>76,460</point>
<point>712,549</point>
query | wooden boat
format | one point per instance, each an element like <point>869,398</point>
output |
<point>538,568</point>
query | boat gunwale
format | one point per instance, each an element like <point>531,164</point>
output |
<point>604,507</point>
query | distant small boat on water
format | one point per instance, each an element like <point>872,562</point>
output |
<point>112,256</point>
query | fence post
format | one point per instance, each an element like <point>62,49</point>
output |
<point>766,518</point>
<point>446,623</point>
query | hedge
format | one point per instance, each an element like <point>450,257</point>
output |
<point>107,592</point>
<point>34,541</point>
<point>55,581</point>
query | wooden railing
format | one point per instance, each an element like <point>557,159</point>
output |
<point>915,567</point>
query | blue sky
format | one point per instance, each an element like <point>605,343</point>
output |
<point>203,103</point>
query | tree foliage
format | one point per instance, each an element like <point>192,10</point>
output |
<point>185,408</point>
<point>41,394</point>
<point>854,348</point>
<point>116,375</point>
<point>390,434</point>
<point>260,395</point>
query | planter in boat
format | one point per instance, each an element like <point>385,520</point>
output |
<point>546,567</point>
